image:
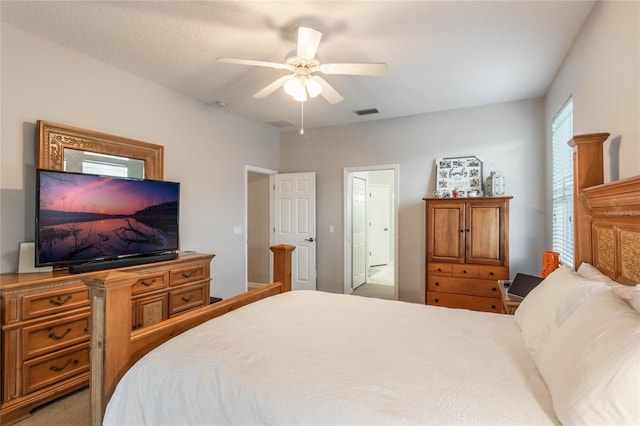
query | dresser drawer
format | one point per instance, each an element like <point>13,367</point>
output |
<point>150,282</point>
<point>462,270</point>
<point>45,303</point>
<point>467,286</point>
<point>460,301</point>
<point>188,274</point>
<point>439,268</point>
<point>55,334</point>
<point>46,370</point>
<point>486,272</point>
<point>189,297</point>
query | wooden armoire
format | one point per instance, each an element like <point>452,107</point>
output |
<point>467,252</point>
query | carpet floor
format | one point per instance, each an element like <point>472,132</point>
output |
<point>70,410</point>
<point>380,291</point>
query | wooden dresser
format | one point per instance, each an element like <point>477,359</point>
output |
<point>467,252</point>
<point>45,325</point>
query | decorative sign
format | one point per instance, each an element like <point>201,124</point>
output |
<point>460,174</point>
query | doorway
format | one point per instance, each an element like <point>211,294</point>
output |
<point>370,218</point>
<point>280,209</point>
<point>258,225</point>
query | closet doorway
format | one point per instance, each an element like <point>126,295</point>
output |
<point>370,218</point>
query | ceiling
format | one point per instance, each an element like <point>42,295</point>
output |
<point>440,54</point>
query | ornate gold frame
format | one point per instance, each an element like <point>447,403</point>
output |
<point>53,138</point>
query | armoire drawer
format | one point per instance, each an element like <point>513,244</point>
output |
<point>490,272</point>
<point>434,268</point>
<point>464,270</point>
<point>468,286</point>
<point>48,336</point>
<point>460,301</point>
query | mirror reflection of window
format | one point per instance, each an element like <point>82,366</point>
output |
<point>102,164</point>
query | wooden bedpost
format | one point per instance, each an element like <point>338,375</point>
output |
<point>282,264</point>
<point>110,293</point>
<point>588,170</point>
<point>115,347</point>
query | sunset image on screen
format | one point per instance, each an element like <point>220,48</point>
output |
<point>87,216</point>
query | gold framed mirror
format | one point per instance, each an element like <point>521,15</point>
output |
<point>67,148</point>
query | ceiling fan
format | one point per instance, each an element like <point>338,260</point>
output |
<point>303,64</point>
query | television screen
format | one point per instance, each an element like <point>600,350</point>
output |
<point>83,218</point>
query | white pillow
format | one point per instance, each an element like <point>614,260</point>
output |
<point>550,303</point>
<point>590,272</point>
<point>591,363</point>
<point>634,298</point>
<point>630,294</point>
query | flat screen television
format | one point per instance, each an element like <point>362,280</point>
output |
<point>91,222</point>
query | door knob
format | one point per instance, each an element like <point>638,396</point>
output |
<point>309,239</point>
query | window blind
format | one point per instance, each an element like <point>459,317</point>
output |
<point>562,177</point>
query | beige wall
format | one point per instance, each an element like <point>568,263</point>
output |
<point>206,149</point>
<point>602,73</point>
<point>510,135</point>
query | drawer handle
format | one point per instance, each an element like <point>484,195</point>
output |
<point>439,269</point>
<point>493,306</point>
<point>147,283</point>
<point>58,300</point>
<point>53,336</point>
<point>437,300</point>
<point>188,274</point>
<point>437,284</point>
<point>494,289</point>
<point>187,299</point>
<point>461,230</point>
<point>491,273</point>
<point>69,361</point>
<point>464,271</point>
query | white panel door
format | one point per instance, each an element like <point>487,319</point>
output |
<point>295,224</point>
<point>379,211</point>
<point>359,232</point>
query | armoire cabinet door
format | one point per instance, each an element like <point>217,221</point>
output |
<point>446,241</point>
<point>485,232</point>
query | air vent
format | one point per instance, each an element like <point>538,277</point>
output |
<point>280,123</point>
<point>367,111</point>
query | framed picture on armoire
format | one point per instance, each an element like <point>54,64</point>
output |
<point>463,174</point>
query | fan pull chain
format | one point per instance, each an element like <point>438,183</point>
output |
<point>302,118</point>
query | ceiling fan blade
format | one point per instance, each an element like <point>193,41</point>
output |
<point>273,86</point>
<point>328,92</point>
<point>308,42</point>
<point>254,63</point>
<point>365,68</point>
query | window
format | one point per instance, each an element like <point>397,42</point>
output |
<point>562,176</point>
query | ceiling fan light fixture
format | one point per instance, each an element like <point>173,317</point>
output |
<point>293,86</point>
<point>300,96</point>
<point>313,87</point>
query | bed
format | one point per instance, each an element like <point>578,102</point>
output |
<point>570,354</point>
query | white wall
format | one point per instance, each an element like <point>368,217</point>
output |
<point>602,73</point>
<point>206,149</point>
<point>509,135</point>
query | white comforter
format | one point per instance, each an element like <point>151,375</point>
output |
<point>307,357</point>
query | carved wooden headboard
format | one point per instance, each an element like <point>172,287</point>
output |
<point>607,216</point>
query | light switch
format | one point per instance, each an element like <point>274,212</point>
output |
<point>331,229</point>
<point>237,230</point>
